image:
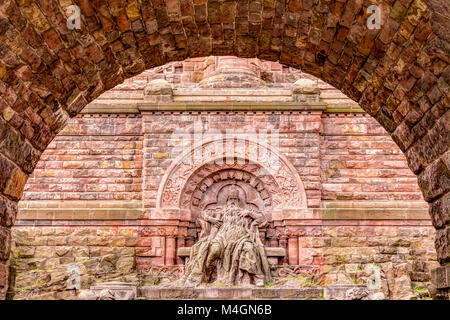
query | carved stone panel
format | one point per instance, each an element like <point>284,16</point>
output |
<point>192,173</point>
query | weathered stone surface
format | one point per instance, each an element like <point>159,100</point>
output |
<point>442,244</point>
<point>441,277</point>
<point>111,291</point>
<point>8,211</point>
<point>158,87</point>
<point>347,292</point>
<point>4,273</point>
<point>231,293</point>
<point>305,86</point>
<point>5,240</point>
<point>439,211</point>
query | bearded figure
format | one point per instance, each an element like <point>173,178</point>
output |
<point>230,250</point>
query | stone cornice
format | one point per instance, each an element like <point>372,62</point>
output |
<point>138,107</point>
<point>232,106</point>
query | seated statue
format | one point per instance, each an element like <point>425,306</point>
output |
<point>230,250</point>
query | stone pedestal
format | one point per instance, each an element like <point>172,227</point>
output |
<point>232,73</point>
<point>158,91</point>
<point>153,293</point>
<point>110,291</point>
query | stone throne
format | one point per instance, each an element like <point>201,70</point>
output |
<point>250,194</point>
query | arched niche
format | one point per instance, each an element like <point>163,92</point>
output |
<point>271,168</point>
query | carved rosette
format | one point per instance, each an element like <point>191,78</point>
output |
<point>233,177</point>
<point>153,231</point>
<point>207,191</point>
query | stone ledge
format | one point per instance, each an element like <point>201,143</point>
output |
<point>347,213</point>
<point>110,108</point>
<point>119,108</point>
<point>373,214</point>
<point>54,212</point>
<point>372,204</point>
<point>230,293</point>
<point>79,214</point>
<point>233,106</point>
<point>270,252</point>
<point>344,108</point>
<point>83,204</point>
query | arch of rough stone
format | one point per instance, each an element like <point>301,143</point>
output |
<point>399,74</point>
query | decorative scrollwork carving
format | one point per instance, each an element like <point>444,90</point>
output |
<point>297,270</point>
<point>281,182</point>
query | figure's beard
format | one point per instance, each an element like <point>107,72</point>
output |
<point>233,205</point>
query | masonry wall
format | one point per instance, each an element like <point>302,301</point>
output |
<point>95,158</point>
<point>373,209</point>
<point>86,203</point>
<point>80,207</point>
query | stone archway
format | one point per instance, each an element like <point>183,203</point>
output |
<point>176,186</point>
<point>399,74</point>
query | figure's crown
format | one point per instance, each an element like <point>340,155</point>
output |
<point>234,193</point>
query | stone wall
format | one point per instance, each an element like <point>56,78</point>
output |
<point>364,207</point>
<point>94,158</point>
<point>360,162</point>
<point>42,258</point>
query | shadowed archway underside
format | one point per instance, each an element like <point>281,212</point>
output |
<point>399,74</point>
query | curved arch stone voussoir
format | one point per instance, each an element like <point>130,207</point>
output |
<point>399,74</point>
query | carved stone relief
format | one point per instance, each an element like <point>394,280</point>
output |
<point>187,175</point>
<point>230,250</point>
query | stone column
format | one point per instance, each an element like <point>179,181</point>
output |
<point>280,232</point>
<point>273,242</point>
<point>293,250</point>
<point>181,242</point>
<point>170,250</point>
